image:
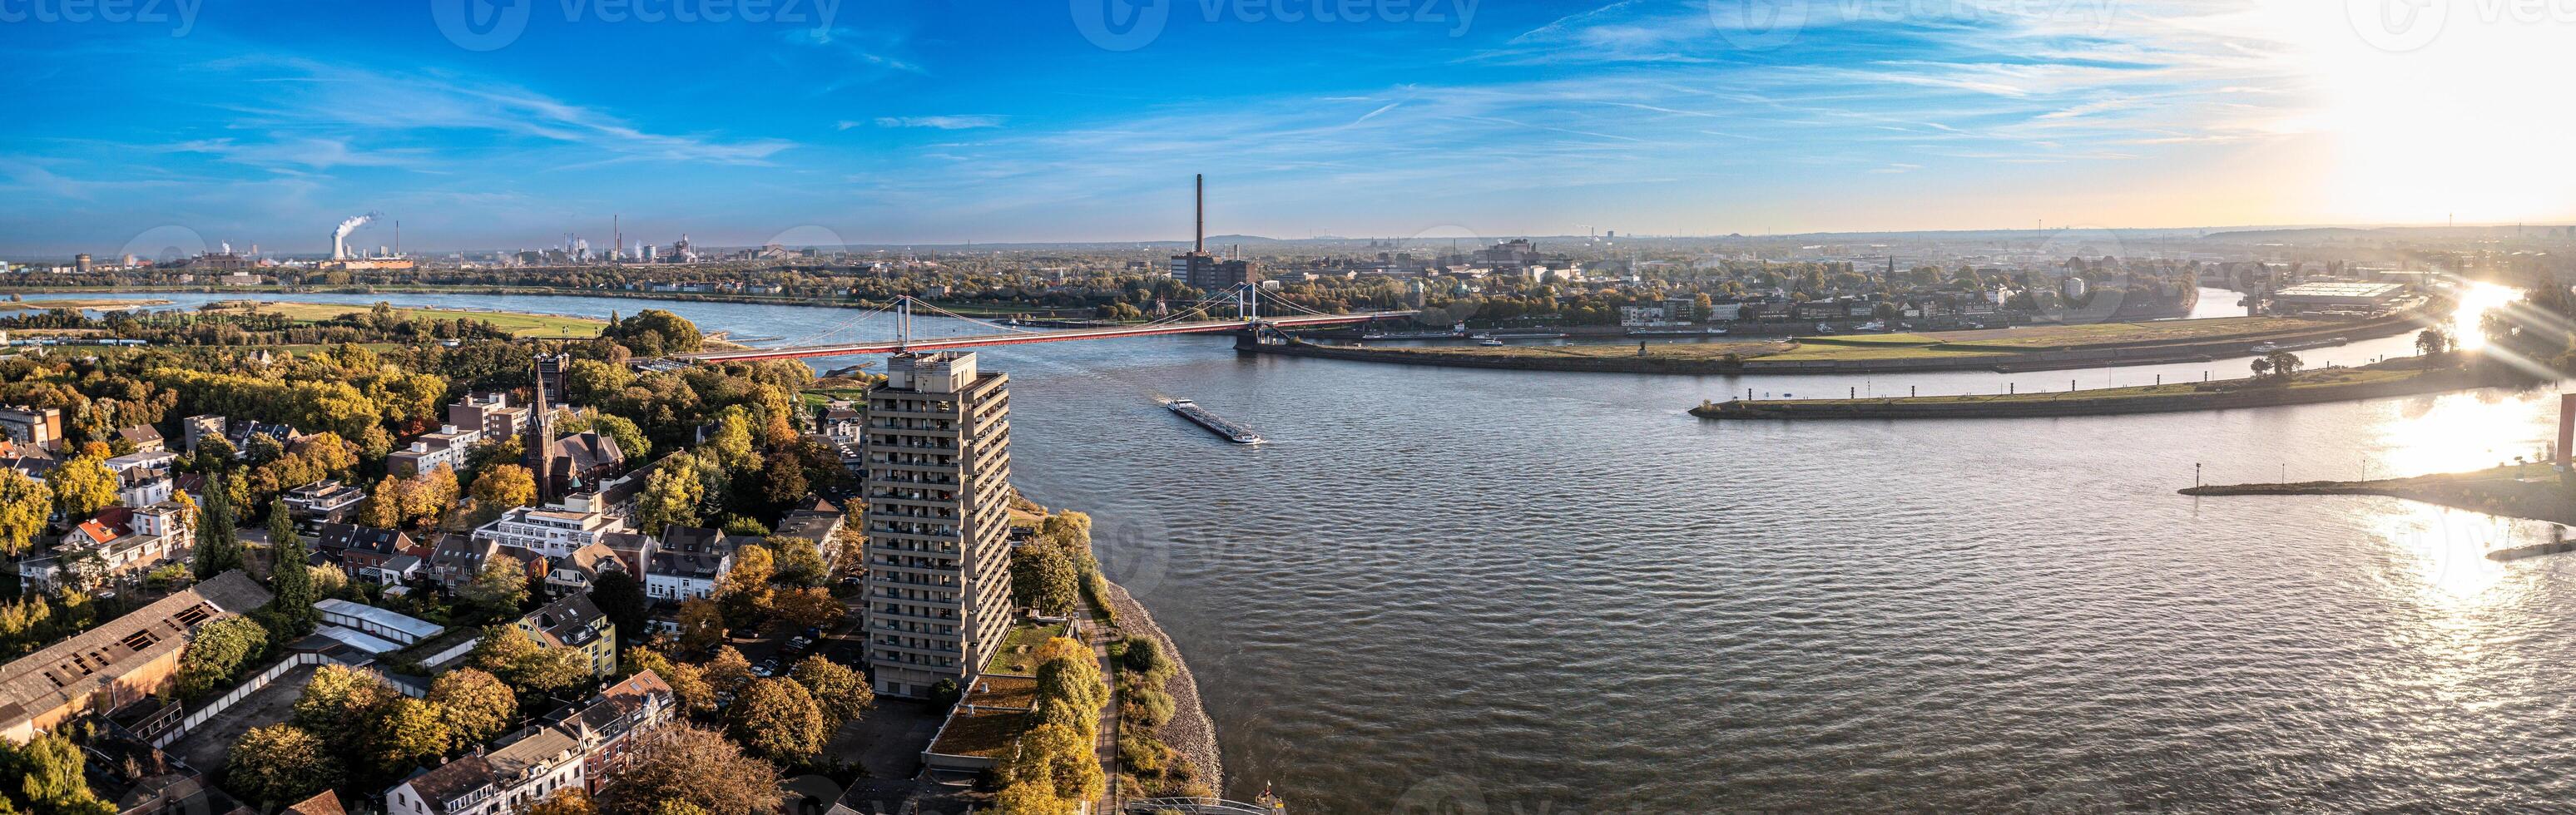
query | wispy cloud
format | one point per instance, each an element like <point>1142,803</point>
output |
<point>950,122</point>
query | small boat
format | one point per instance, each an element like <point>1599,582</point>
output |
<point>1223,429</point>
<point>1489,341</point>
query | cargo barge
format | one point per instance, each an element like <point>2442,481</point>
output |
<point>1223,429</point>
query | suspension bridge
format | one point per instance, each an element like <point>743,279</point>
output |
<point>1247,300</point>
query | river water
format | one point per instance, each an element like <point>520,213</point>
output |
<point>1472,591</point>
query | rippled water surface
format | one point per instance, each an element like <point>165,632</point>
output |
<point>1530,592</point>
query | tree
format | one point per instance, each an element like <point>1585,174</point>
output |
<point>2285,365</point>
<point>800,561</point>
<point>702,624</point>
<point>2432,343</point>
<point>1056,758</point>
<point>692,767</point>
<point>475,705</point>
<point>218,548</point>
<point>337,704</point>
<point>281,764</point>
<point>1031,798</point>
<point>1043,577</point>
<point>526,664</point>
<point>24,504</point>
<point>287,577</point>
<point>384,506</point>
<point>728,672</point>
<point>730,446</point>
<point>499,589</point>
<point>842,693</point>
<point>752,569</point>
<point>566,801</point>
<point>505,486</point>
<point>51,782</point>
<point>1073,679</point>
<point>688,685</point>
<point>82,486</point>
<point>776,718</point>
<point>806,608</point>
<point>410,732</point>
<point>654,332</point>
<point>671,496</point>
<point>621,597</point>
<point>218,651</point>
<point>2262,367</point>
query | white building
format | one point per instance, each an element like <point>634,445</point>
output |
<point>536,763</point>
<point>687,563</point>
<point>550,531</point>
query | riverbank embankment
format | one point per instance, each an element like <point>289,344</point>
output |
<point>2035,348</point>
<point>2533,491</point>
<point>2398,377</point>
<point>1189,732</point>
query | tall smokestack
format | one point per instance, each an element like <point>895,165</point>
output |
<point>340,236</point>
<point>1199,244</point>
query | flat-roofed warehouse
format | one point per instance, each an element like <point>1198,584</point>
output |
<point>2312,297</point>
<point>126,659</point>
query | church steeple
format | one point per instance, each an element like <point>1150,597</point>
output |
<point>540,456</point>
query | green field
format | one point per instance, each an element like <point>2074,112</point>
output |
<point>1014,655</point>
<point>523,326</point>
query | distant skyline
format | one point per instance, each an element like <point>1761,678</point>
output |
<point>498,126</point>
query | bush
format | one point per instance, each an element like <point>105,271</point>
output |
<point>1144,755</point>
<point>1146,707</point>
<point>1144,656</point>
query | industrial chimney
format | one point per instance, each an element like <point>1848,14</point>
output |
<point>1199,244</point>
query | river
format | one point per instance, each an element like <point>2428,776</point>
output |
<point>1523,592</point>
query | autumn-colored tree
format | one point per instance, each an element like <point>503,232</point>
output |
<point>281,764</point>
<point>806,608</point>
<point>218,650</point>
<point>475,704</point>
<point>408,733</point>
<point>688,766</point>
<point>776,718</point>
<point>504,486</point>
<point>526,664</point>
<point>82,486</point>
<point>338,702</point>
<point>566,801</point>
<point>499,589</point>
<point>842,693</point>
<point>383,508</point>
<point>671,497</point>
<point>702,624</point>
<point>1057,758</point>
<point>728,672</point>
<point>688,684</point>
<point>24,504</point>
<point>1031,798</point>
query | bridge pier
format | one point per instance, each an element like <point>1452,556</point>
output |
<point>1247,340</point>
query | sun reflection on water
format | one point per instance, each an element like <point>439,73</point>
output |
<point>2476,299</point>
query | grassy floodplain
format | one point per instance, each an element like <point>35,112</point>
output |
<point>2397,377</point>
<point>2027,346</point>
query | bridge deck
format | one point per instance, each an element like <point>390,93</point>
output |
<point>982,340</point>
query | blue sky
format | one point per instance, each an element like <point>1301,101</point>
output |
<point>940,122</point>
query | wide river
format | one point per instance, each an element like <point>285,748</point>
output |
<point>1472,591</point>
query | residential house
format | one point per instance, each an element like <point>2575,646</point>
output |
<point>144,437</point>
<point>116,542</point>
<point>612,720</point>
<point>687,562</point>
<point>575,622</point>
<point>842,422</point>
<point>457,559</point>
<point>144,479</point>
<point>524,769</point>
<point>816,520</point>
<point>368,554</point>
<point>323,502</point>
<point>574,573</point>
<point>119,662</point>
